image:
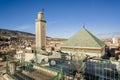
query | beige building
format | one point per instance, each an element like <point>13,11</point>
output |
<point>54,43</point>
<point>40,31</point>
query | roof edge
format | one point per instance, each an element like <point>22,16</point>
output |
<point>88,48</point>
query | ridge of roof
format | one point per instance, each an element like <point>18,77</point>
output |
<point>95,38</point>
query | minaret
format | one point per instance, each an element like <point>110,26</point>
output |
<point>40,32</point>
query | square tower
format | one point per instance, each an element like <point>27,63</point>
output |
<point>40,31</point>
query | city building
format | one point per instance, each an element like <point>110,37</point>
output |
<point>54,43</point>
<point>84,42</point>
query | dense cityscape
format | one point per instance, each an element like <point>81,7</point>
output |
<point>82,56</point>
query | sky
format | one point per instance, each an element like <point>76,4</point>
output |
<point>64,17</point>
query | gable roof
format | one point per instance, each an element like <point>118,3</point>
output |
<point>83,39</point>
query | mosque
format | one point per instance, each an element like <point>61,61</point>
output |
<point>82,42</point>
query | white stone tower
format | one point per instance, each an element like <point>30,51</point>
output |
<point>40,31</point>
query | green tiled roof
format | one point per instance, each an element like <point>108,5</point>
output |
<point>84,39</point>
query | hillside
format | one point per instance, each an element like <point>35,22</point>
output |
<point>11,40</point>
<point>6,34</point>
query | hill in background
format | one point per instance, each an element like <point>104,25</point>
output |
<point>9,34</point>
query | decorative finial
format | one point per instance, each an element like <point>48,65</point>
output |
<point>84,26</point>
<point>42,10</point>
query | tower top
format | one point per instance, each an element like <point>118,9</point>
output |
<point>42,11</point>
<point>41,15</point>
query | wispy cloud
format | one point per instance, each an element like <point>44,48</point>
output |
<point>25,28</point>
<point>22,27</point>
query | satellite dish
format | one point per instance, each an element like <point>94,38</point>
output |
<point>46,60</point>
<point>52,62</point>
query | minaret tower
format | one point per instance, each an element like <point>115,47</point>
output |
<point>40,31</point>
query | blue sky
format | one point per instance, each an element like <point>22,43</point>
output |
<point>64,17</point>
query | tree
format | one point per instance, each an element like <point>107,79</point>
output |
<point>79,63</point>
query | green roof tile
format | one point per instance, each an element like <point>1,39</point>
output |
<point>84,39</point>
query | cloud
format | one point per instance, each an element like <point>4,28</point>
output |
<point>25,28</point>
<point>22,27</point>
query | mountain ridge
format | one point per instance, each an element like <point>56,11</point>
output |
<point>15,33</point>
<point>4,31</point>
